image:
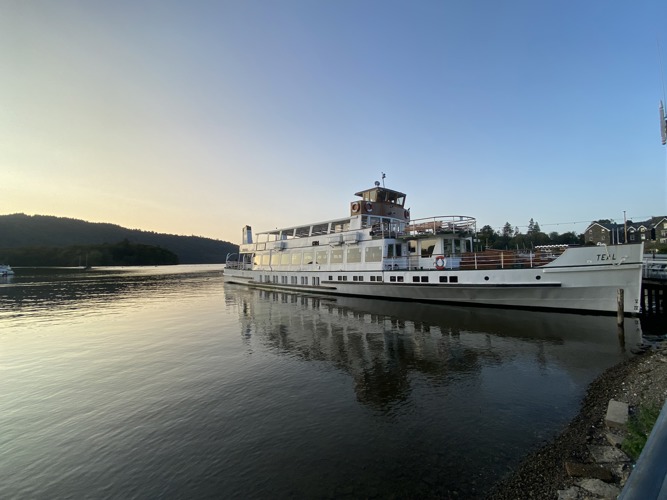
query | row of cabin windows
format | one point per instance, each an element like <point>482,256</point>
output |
<point>384,224</point>
<point>303,280</point>
<point>425,279</point>
<point>293,280</point>
<point>352,255</point>
<point>356,278</point>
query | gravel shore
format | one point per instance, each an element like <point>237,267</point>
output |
<point>639,380</point>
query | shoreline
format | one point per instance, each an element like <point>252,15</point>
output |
<point>641,379</point>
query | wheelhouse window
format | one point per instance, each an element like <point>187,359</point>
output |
<point>308,257</point>
<point>284,259</point>
<point>296,258</point>
<point>266,259</point>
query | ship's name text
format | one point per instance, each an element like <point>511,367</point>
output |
<point>604,256</point>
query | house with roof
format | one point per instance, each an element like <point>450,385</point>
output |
<point>653,232</point>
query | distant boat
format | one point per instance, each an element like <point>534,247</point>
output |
<point>6,270</point>
<point>379,251</point>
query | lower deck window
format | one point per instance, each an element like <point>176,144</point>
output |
<point>373,254</point>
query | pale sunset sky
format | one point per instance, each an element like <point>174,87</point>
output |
<point>198,117</point>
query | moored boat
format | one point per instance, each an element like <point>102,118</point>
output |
<point>377,250</point>
<point>6,270</point>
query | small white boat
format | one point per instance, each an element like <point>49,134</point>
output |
<point>6,270</point>
<point>379,251</point>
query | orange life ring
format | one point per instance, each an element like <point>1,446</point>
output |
<point>369,207</point>
<point>440,262</point>
<point>355,207</point>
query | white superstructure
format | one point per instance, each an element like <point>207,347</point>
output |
<point>378,251</point>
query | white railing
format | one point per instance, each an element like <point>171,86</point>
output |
<point>442,224</point>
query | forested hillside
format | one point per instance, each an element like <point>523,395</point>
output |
<point>118,254</point>
<point>24,231</point>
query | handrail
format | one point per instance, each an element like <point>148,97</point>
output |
<point>442,223</point>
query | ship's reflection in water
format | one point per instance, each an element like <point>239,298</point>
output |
<point>459,394</point>
<point>380,343</point>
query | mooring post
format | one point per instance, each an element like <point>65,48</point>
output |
<point>620,304</point>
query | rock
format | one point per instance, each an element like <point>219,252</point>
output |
<point>572,493</point>
<point>600,488</point>
<point>621,471</point>
<point>588,470</point>
<point>607,454</point>
<point>614,439</point>
<point>617,414</point>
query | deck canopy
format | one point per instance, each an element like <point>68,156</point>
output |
<point>381,195</point>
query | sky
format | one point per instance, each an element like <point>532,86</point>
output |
<point>200,117</point>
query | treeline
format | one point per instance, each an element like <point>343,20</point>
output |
<point>32,231</point>
<point>118,254</point>
<point>510,237</point>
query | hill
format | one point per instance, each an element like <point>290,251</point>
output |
<point>21,231</point>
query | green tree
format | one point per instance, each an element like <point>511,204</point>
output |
<point>507,230</point>
<point>487,236</point>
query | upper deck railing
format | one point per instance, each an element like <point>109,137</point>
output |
<point>442,224</point>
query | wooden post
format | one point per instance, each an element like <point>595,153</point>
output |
<point>643,298</point>
<point>621,309</point>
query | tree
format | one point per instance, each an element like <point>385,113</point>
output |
<point>487,236</point>
<point>507,230</point>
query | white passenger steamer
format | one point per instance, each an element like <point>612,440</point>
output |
<point>378,251</point>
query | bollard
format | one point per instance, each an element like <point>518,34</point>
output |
<point>620,310</point>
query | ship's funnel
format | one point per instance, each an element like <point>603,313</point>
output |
<point>247,235</point>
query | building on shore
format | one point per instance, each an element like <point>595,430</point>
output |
<point>653,232</point>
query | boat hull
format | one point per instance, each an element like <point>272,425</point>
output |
<point>578,282</point>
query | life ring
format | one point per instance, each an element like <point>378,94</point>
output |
<point>355,207</point>
<point>369,207</point>
<point>440,262</point>
<point>407,214</point>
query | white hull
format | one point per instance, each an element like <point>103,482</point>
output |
<point>581,285</point>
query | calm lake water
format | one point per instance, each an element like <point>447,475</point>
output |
<point>167,382</point>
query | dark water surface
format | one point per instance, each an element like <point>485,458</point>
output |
<point>168,382</point>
